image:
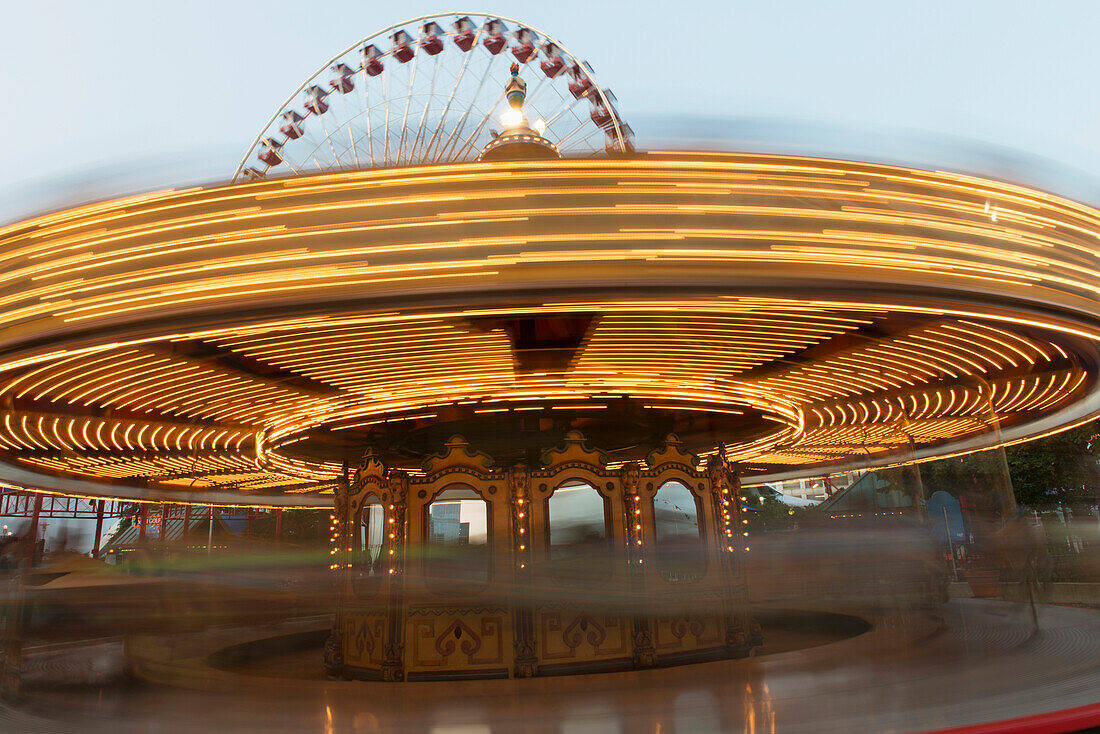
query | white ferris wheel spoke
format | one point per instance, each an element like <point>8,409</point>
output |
<point>462,121</point>
<point>408,101</point>
<point>447,107</point>
<point>366,109</point>
<point>386,112</point>
<point>427,104</point>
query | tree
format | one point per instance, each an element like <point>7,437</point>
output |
<point>771,514</point>
<point>1058,468</point>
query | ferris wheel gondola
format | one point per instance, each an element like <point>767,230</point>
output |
<point>428,91</point>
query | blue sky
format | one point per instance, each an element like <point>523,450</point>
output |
<point>123,95</point>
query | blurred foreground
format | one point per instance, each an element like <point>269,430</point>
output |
<point>904,602</point>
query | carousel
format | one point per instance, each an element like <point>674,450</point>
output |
<point>526,365</point>
<point>566,566</point>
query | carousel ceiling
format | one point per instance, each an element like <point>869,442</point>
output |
<point>802,315</point>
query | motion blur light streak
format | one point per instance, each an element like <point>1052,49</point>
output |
<point>394,318</point>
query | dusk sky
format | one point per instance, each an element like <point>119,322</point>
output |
<point>124,96</point>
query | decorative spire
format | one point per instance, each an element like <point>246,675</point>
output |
<point>518,141</point>
<point>516,89</point>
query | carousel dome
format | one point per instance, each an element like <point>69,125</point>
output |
<point>519,144</point>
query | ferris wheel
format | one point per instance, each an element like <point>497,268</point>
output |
<point>431,90</point>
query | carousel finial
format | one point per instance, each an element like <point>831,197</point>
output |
<point>516,89</point>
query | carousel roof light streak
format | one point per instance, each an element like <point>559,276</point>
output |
<point>249,340</point>
<point>829,375</point>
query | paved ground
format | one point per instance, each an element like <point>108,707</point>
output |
<point>984,665</point>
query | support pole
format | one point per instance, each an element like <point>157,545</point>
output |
<point>210,531</point>
<point>33,533</point>
<point>186,524</point>
<point>98,527</point>
<point>950,545</point>
<point>164,522</point>
<point>278,526</point>
<point>143,517</point>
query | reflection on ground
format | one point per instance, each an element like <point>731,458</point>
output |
<point>985,663</point>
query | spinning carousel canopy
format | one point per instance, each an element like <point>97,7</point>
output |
<point>240,343</point>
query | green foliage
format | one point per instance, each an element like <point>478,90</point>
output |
<point>1058,468</point>
<point>771,514</point>
<point>959,473</point>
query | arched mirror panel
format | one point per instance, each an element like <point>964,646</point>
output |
<point>457,538</point>
<point>678,533</point>
<point>368,540</point>
<point>577,518</point>
<point>578,523</point>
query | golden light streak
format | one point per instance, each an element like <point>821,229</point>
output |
<point>711,227</point>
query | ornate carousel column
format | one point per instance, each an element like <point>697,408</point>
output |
<point>742,631</point>
<point>340,539</point>
<point>645,656</point>
<point>526,660</point>
<point>394,544</point>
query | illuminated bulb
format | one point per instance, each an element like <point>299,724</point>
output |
<point>511,118</point>
<point>522,530</point>
<point>523,547</point>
